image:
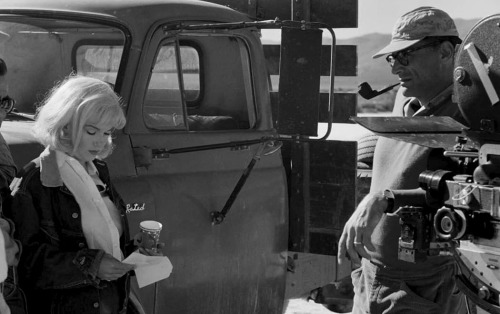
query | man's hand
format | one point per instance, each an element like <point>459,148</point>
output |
<point>359,228</point>
<point>112,269</point>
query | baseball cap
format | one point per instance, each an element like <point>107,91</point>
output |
<point>415,25</point>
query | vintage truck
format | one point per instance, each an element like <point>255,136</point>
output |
<point>252,200</point>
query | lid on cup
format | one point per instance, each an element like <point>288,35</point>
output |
<point>150,225</point>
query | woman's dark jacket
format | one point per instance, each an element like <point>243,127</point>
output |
<point>58,271</point>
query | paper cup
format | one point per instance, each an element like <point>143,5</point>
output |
<point>149,236</point>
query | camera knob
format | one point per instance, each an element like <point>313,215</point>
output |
<point>449,224</point>
<point>484,293</point>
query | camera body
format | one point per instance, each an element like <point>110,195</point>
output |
<point>418,240</point>
<point>457,209</point>
<point>461,217</point>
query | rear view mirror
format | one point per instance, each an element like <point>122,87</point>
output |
<point>299,84</point>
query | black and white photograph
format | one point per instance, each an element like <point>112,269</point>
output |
<point>249,156</point>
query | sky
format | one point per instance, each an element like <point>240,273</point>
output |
<point>379,16</point>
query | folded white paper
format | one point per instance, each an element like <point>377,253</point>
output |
<point>149,269</point>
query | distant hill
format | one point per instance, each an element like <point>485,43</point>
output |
<point>376,71</point>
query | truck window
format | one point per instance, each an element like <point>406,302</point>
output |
<point>40,52</point>
<point>200,83</point>
<point>163,108</point>
<point>99,61</point>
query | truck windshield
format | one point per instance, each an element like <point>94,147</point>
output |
<point>39,52</point>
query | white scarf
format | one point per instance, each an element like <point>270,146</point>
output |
<point>98,226</point>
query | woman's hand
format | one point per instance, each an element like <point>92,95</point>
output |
<point>147,245</point>
<point>154,251</point>
<point>112,269</point>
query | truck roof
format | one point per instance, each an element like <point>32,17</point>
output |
<point>136,15</point>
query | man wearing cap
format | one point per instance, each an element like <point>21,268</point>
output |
<point>421,54</point>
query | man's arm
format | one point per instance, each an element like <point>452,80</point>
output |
<point>359,228</point>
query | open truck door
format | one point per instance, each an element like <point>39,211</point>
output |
<point>320,174</point>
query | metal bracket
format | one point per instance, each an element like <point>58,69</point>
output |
<point>265,148</point>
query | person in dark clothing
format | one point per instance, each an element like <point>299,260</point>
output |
<point>68,216</point>
<point>12,298</point>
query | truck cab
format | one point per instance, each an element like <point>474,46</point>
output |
<point>200,152</point>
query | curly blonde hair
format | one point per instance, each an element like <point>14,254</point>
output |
<point>70,105</point>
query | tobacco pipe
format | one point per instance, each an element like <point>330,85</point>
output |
<point>366,91</point>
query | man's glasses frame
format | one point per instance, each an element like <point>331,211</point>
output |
<point>402,56</point>
<point>7,104</point>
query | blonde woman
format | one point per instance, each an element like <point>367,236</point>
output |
<point>69,219</point>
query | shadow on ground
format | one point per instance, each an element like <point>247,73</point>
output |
<point>333,298</point>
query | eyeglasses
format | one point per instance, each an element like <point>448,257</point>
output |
<point>7,104</point>
<point>402,56</point>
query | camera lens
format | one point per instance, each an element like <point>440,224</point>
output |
<point>433,181</point>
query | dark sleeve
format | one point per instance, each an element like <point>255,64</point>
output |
<point>7,172</point>
<point>43,263</point>
<point>7,168</point>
